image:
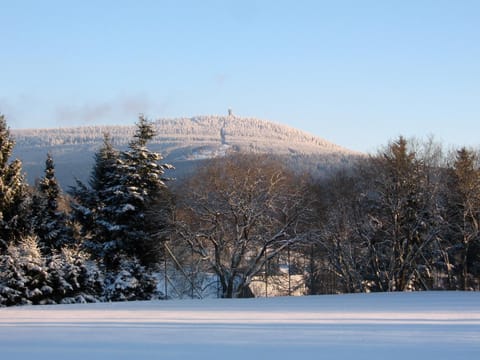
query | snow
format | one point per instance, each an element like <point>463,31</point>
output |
<point>427,325</point>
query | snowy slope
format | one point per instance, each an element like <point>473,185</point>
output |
<point>182,141</point>
<point>430,325</point>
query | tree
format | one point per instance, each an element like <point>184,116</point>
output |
<point>14,196</point>
<point>24,275</point>
<point>94,205</point>
<point>237,213</point>
<point>105,166</point>
<point>74,277</point>
<point>65,276</point>
<point>141,183</point>
<point>336,252</point>
<point>382,227</point>
<point>401,227</point>
<point>124,186</point>
<point>131,281</point>
<point>49,222</point>
<point>463,212</point>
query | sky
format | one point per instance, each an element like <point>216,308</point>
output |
<point>357,73</point>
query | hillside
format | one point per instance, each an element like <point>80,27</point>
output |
<point>182,141</point>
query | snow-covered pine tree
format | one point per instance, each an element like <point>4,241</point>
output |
<point>49,221</point>
<point>83,210</point>
<point>105,184</point>
<point>74,277</point>
<point>94,204</point>
<point>14,196</point>
<point>24,275</point>
<point>104,170</point>
<point>113,208</point>
<point>140,182</point>
<point>131,281</point>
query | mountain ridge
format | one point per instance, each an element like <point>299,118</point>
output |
<point>179,140</point>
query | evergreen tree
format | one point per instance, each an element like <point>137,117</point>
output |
<point>143,181</point>
<point>29,277</point>
<point>123,187</point>
<point>464,217</point>
<point>105,185</point>
<point>49,221</point>
<point>74,277</point>
<point>131,281</point>
<point>24,278</point>
<point>104,169</point>
<point>14,196</point>
<point>83,210</point>
<point>95,205</point>
<point>400,226</point>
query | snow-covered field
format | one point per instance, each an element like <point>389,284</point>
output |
<point>430,325</point>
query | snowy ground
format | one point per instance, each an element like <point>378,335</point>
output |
<point>437,325</point>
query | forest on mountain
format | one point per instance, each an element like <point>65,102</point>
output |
<point>183,141</point>
<point>403,219</point>
<point>213,128</point>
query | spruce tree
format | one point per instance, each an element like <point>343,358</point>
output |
<point>400,223</point>
<point>123,187</point>
<point>104,168</point>
<point>91,204</point>
<point>143,184</point>
<point>14,196</point>
<point>464,217</point>
<point>49,221</point>
<point>105,188</point>
<point>74,277</point>
<point>24,278</point>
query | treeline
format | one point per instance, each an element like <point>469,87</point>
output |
<point>406,218</point>
<point>95,243</point>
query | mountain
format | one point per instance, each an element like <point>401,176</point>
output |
<point>183,142</point>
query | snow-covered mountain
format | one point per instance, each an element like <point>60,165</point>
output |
<point>183,142</point>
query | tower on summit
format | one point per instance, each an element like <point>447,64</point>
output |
<point>230,112</point>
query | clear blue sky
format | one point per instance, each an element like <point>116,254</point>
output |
<point>357,73</point>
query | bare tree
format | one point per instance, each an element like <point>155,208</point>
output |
<point>335,248</point>
<point>237,213</point>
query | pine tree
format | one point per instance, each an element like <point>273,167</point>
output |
<point>123,187</point>
<point>104,170</point>
<point>74,277</point>
<point>14,196</point>
<point>24,278</point>
<point>50,222</point>
<point>130,281</point>
<point>90,200</point>
<point>142,185</point>
<point>400,225</point>
<point>464,216</point>
<point>83,211</point>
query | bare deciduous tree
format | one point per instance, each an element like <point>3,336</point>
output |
<point>239,212</point>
